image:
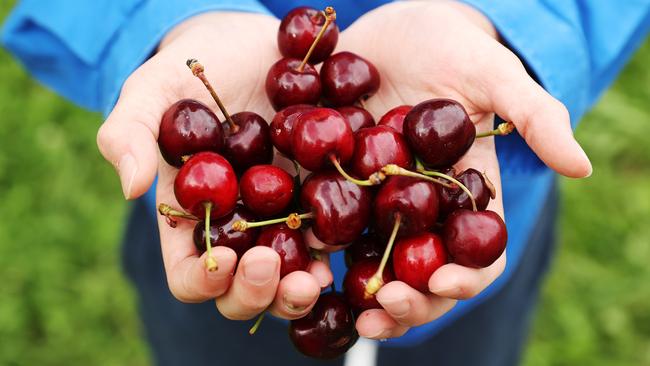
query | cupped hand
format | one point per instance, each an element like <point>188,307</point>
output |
<point>236,50</point>
<point>446,49</point>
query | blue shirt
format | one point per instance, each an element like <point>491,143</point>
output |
<point>86,49</point>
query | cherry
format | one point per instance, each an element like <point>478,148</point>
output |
<point>266,189</point>
<point>365,247</point>
<point>415,258</point>
<point>453,198</point>
<point>298,31</point>
<point>289,244</point>
<point>187,127</point>
<point>355,282</point>
<point>222,234</point>
<point>341,209</point>
<point>356,117</point>
<point>282,127</point>
<point>395,118</point>
<point>474,238</point>
<point>287,85</point>
<point>327,331</point>
<point>249,143</point>
<point>347,78</point>
<point>377,146</point>
<point>440,132</point>
<point>319,136</point>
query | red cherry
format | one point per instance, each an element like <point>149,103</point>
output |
<point>289,244</point>
<point>395,118</point>
<point>440,132</point>
<point>356,117</point>
<point>299,29</point>
<point>250,143</point>
<point>375,147</point>
<point>319,134</point>
<point>356,279</point>
<point>475,238</point>
<point>327,331</point>
<point>287,85</point>
<point>188,127</point>
<point>415,258</point>
<point>266,189</point>
<point>222,234</point>
<point>347,78</point>
<point>282,127</point>
<point>365,247</point>
<point>206,178</point>
<point>451,199</point>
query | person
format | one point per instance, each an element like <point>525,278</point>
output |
<point>536,63</point>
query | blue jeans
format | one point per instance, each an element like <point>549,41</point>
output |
<point>494,333</point>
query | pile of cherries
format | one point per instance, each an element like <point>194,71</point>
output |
<point>371,186</point>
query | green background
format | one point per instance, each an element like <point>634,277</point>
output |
<point>64,300</point>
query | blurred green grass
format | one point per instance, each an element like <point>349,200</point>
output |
<point>64,301</point>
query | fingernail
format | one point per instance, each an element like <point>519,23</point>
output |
<point>296,303</point>
<point>260,272</point>
<point>127,169</point>
<point>398,308</point>
<point>380,334</point>
<point>450,291</point>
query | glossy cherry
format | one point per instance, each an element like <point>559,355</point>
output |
<point>250,143</point>
<point>341,208</point>
<point>299,29</point>
<point>356,279</point>
<point>415,258</point>
<point>282,127</point>
<point>222,234</point>
<point>453,198</point>
<point>266,190</point>
<point>287,85</point>
<point>377,146</point>
<point>439,131</point>
<point>327,331</point>
<point>356,117</point>
<point>474,238</point>
<point>395,118</point>
<point>188,127</point>
<point>319,135</point>
<point>347,78</point>
<point>289,244</point>
<point>415,199</point>
<point>365,247</point>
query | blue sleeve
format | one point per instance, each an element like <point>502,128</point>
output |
<point>85,50</point>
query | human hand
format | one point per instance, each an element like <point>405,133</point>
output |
<point>236,49</point>
<point>447,49</point>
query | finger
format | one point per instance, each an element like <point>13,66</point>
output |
<point>458,282</point>
<point>296,295</point>
<point>377,324</point>
<point>313,242</point>
<point>320,269</point>
<point>410,307</point>
<point>254,285</point>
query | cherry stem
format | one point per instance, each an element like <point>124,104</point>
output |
<point>430,173</point>
<point>210,262</point>
<point>377,280</point>
<point>296,167</point>
<point>392,169</point>
<point>293,221</point>
<point>257,324</point>
<point>502,129</point>
<point>330,16</point>
<point>198,69</point>
<point>168,211</point>
<point>373,180</point>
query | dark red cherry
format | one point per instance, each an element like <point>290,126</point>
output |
<point>222,234</point>
<point>250,144</point>
<point>395,118</point>
<point>289,244</point>
<point>347,78</point>
<point>282,126</point>
<point>440,132</point>
<point>341,208</point>
<point>356,117</point>
<point>474,239</point>
<point>327,331</point>
<point>266,189</point>
<point>451,199</point>
<point>286,85</point>
<point>206,177</point>
<point>355,280</point>
<point>188,127</point>
<point>319,133</point>
<point>414,199</point>
<point>375,147</point>
<point>366,246</point>
<point>415,258</point>
<point>298,31</point>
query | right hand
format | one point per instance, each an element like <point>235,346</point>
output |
<point>236,50</point>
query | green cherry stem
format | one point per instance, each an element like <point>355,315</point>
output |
<point>293,221</point>
<point>257,324</point>
<point>377,280</point>
<point>430,173</point>
<point>373,180</point>
<point>502,129</point>
<point>330,16</point>
<point>167,210</point>
<point>210,262</point>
